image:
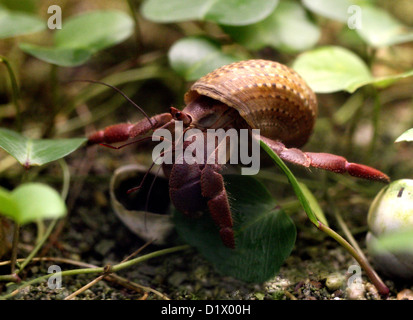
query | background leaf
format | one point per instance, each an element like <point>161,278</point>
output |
<point>65,57</point>
<point>95,30</point>
<point>31,202</point>
<point>229,12</point>
<point>82,36</point>
<point>31,152</point>
<point>287,28</point>
<point>330,69</point>
<point>21,5</point>
<point>194,57</point>
<point>380,29</point>
<point>13,23</point>
<point>8,206</point>
<point>406,136</point>
<point>265,235</point>
<point>332,9</point>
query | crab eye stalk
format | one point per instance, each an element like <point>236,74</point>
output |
<point>181,116</point>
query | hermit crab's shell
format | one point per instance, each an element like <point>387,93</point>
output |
<point>268,95</point>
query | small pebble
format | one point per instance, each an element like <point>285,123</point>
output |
<point>405,294</point>
<point>334,282</point>
<point>177,278</point>
<point>372,291</point>
<point>356,292</point>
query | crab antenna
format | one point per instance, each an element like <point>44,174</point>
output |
<point>148,171</point>
<point>120,92</point>
<point>142,181</point>
<point>150,190</point>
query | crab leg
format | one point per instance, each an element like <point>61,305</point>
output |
<point>325,161</point>
<point>124,131</point>
<point>212,185</point>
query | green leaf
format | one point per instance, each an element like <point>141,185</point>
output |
<point>330,69</point>
<point>294,183</point>
<point>31,202</point>
<point>95,30</point>
<point>228,12</point>
<point>287,28</point>
<point>8,207</point>
<point>313,203</point>
<point>332,9</point>
<point>65,57</point>
<point>380,29</point>
<point>406,136</point>
<point>21,5</point>
<point>194,57</point>
<point>31,152</point>
<point>82,36</point>
<point>384,82</point>
<point>265,235</point>
<point>18,23</point>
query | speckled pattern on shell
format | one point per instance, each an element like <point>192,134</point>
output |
<point>268,95</point>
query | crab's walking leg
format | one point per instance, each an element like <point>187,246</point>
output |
<point>325,161</point>
<point>212,185</point>
<point>124,131</point>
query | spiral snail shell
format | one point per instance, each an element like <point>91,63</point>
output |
<point>268,95</point>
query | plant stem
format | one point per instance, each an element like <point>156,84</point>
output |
<point>378,283</point>
<point>348,233</point>
<point>14,91</point>
<point>112,277</point>
<point>9,278</point>
<point>66,178</point>
<point>137,27</point>
<point>96,280</point>
<point>84,288</point>
<point>381,287</point>
<point>38,245</point>
<point>115,268</point>
<point>14,247</point>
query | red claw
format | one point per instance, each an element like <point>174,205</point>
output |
<point>366,172</point>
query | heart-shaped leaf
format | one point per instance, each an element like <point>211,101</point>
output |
<point>31,202</point>
<point>31,152</point>
<point>13,23</point>
<point>82,36</point>
<point>330,69</point>
<point>287,28</point>
<point>264,234</point>
<point>95,30</point>
<point>228,12</point>
<point>194,57</point>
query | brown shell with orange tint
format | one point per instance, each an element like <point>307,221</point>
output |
<point>268,95</point>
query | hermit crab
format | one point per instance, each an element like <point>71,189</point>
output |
<point>251,94</point>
